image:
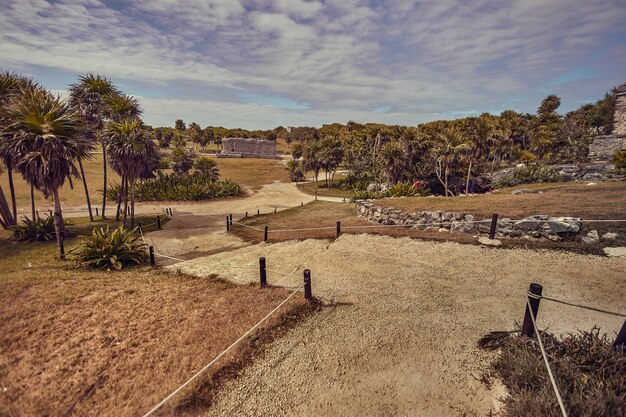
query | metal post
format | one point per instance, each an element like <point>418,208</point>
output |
<point>338,228</point>
<point>620,340</point>
<point>246,214</point>
<point>159,222</point>
<point>171,212</point>
<point>97,211</point>
<point>258,211</point>
<point>152,262</point>
<point>494,225</point>
<point>139,226</point>
<point>227,224</point>
<point>527,328</point>
<point>274,209</point>
<point>230,217</point>
<point>308,293</point>
<point>50,211</point>
<point>302,204</point>
<point>265,234</point>
<point>262,272</point>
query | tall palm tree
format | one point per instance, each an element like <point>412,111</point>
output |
<point>88,98</point>
<point>120,106</point>
<point>131,151</point>
<point>47,138</point>
<point>481,140</point>
<point>449,149</point>
<point>11,87</point>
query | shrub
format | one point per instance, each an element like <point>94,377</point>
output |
<point>182,187</point>
<point>38,230</point>
<point>366,195</point>
<point>528,175</point>
<point>165,163</point>
<point>208,168</point>
<point>619,159</point>
<point>295,170</point>
<point>589,371</point>
<point>182,160</point>
<point>406,189</point>
<point>106,250</point>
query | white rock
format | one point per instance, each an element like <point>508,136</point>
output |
<point>591,183</point>
<point>484,240</point>
<point>609,236</point>
<point>619,251</point>
<point>592,237</point>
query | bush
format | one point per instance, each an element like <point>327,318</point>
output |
<point>529,175</point>
<point>588,369</point>
<point>366,195</point>
<point>619,159</point>
<point>165,163</point>
<point>106,250</point>
<point>181,187</point>
<point>182,160</point>
<point>37,230</point>
<point>295,170</point>
<point>406,189</point>
<point>208,168</point>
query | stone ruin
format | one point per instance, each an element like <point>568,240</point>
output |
<point>604,146</point>
<point>248,148</point>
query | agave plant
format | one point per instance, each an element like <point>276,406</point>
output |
<point>111,250</point>
<point>406,189</point>
<point>39,229</point>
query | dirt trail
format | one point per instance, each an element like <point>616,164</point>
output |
<point>398,334</point>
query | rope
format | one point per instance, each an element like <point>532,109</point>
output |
<point>540,297</point>
<point>300,230</point>
<point>207,366</point>
<point>545,360</point>
<point>251,227</point>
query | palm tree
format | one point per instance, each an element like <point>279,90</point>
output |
<point>121,106</point>
<point>48,141</point>
<point>481,141</point>
<point>131,151</point>
<point>449,150</point>
<point>88,98</point>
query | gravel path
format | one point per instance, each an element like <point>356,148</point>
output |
<point>397,335</point>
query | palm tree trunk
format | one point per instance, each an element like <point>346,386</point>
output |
<point>82,174</point>
<point>12,190</point>
<point>120,192</point>
<point>469,172</point>
<point>104,188</point>
<point>446,172</point>
<point>132,203</point>
<point>125,202</point>
<point>58,223</point>
<point>5,212</point>
<point>32,201</point>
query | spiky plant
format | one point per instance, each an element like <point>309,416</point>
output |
<point>39,229</point>
<point>111,250</point>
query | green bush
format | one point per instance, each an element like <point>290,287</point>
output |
<point>106,250</point>
<point>180,187</point>
<point>182,161</point>
<point>529,175</point>
<point>38,230</point>
<point>165,163</point>
<point>208,168</point>
<point>619,159</point>
<point>295,170</point>
<point>406,189</point>
<point>366,195</point>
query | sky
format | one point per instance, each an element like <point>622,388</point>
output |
<point>258,64</point>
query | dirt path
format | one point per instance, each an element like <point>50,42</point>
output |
<point>398,334</point>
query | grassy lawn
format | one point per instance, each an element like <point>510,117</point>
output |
<point>321,214</point>
<point>87,342</point>
<point>322,190</point>
<point>252,172</point>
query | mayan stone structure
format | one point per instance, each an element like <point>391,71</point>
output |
<point>603,147</point>
<point>248,148</point>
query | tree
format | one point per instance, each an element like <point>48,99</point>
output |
<point>312,158</point>
<point>545,133</point>
<point>47,137</point>
<point>195,133</point>
<point>331,155</point>
<point>208,168</point>
<point>131,151</point>
<point>88,98</point>
<point>182,160</point>
<point>448,151</point>
<point>120,106</point>
<point>179,125</point>
<point>481,141</point>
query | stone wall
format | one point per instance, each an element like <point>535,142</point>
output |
<point>248,148</point>
<point>533,227</point>
<point>603,147</point>
<point>619,115</point>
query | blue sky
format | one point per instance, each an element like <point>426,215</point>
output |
<point>264,63</point>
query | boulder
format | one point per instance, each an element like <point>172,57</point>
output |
<point>483,240</point>
<point>619,251</point>
<point>592,237</point>
<point>532,222</point>
<point>523,191</point>
<point>609,236</point>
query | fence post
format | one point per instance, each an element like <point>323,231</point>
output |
<point>258,211</point>
<point>620,340</point>
<point>274,209</point>
<point>230,218</point>
<point>338,228</point>
<point>246,214</point>
<point>227,224</point>
<point>97,211</point>
<point>302,204</point>
<point>265,234</point>
<point>308,293</point>
<point>527,328</point>
<point>50,211</point>
<point>494,225</point>
<point>159,222</point>
<point>171,212</point>
<point>152,262</point>
<point>140,228</point>
<point>262,272</point>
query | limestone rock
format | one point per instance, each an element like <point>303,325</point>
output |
<point>483,240</point>
<point>609,236</point>
<point>592,237</point>
<point>523,191</point>
<point>615,252</point>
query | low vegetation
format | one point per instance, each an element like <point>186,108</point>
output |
<point>589,372</point>
<point>40,229</point>
<point>106,249</point>
<point>530,174</point>
<point>181,186</point>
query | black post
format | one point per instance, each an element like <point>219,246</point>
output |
<point>227,224</point>
<point>139,226</point>
<point>338,228</point>
<point>620,340</point>
<point>494,225</point>
<point>308,293</point>
<point>158,222</point>
<point>96,211</point>
<point>50,211</point>
<point>262,272</point>
<point>527,328</point>
<point>246,214</point>
<point>274,209</point>
<point>230,218</point>
<point>152,262</point>
<point>302,204</point>
<point>171,212</point>
<point>265,234</point>
<point>258,211</point>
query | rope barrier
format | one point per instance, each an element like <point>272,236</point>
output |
<point>543,297</point>
<point>545,360</point>
<point>207,366</point>
<point>251,227</point>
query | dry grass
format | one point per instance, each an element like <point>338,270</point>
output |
<point>325,214</point>
<point>601,201</point>
<point>322,190</point>
<point>252,172</point>
<point>83,342</point>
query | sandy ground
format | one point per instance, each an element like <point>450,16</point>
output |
<point>402,317</point>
